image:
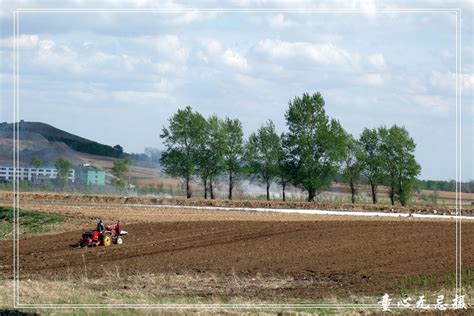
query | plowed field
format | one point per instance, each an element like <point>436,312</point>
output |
<point>339,256</point>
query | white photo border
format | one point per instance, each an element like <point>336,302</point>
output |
<point>16,116</point>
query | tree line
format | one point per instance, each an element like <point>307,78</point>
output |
<point>313,150</point>
<point>441,185</point>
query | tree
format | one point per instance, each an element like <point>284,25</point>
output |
<point>182,140</point>
<point>372,159</point>
<point>120,172</point>
<point>399,160</point>
<point>314,143</point>
<point>284,168</point>
<point>352,164</point>
<point>36,162</point>
<point>210,164</point>
<point>63,166</point>
<point>263,154</point>
<point>233,150</point>
<point>154,154</point>
<point>119,150</point>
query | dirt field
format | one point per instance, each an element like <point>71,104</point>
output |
<point>82,199</point>
<point>318,256</point>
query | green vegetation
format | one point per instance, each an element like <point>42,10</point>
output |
<point>36,162</point>
<point>263,154</point>
<point>120,172</point>
<point>210,155</point>
<point>421,285</point>
<point>439,185</point>
<point>152,189</point>
<point>63,165</point>
<point>314,143</point>
<point>400,166</point>
<point>233,154</point>
<point>31,222</point>
<point>183,140</point>
<point>88,147</point>
<point>315,151</point>
<point>352,165</point>
<point>372,159</point>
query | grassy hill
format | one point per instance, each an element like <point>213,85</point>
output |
<point>54,134</point>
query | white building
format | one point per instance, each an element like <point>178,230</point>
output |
<point>30,174</point>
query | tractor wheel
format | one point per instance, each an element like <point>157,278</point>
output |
<point>119,240</point>
<point>107,240</point>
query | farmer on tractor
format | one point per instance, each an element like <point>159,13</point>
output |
<point>103,235</point>
<point>101,225</point>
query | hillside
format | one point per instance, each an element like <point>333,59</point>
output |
<point>50,143</point>
<point>53,134</point>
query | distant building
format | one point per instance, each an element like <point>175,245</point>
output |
<point>91,176</point>
<point>33,174</point>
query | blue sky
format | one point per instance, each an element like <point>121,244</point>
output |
<point>116,77</point>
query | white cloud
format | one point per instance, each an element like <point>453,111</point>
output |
<point>23,41</point>
<point>319,53</point>
<point>168,68</point>
<point>249,81</point>
<point>234,59</point>
<point>447,81</point>
<point>435,104</point>
<point>372,79</point>
<point>329,37</point>
<point>191,17</point>
<point>280,22</point>
<point>141,97</point>
<point>211,47</point>
<point>172,47</point>
<point>369,7</point>
<point>467,81</point>
<point>164,85</point>
<point>376,60</point>
<point>52,56</point>
<point>46,45</point>
<point>213,51</point>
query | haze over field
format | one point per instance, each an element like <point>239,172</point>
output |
<point>116,77</point>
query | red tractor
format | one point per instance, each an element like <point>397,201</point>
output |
<point>102,236</point>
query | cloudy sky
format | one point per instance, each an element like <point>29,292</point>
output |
<point>116,77</point>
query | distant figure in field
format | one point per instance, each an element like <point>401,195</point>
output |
<point>100,225</point>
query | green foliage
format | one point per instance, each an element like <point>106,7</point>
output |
<point>388,157</point>
<point>183,140</point>
<point>315,151</point>
<point>152,189</point>
<point>372,159</point>
<point>284,169</point>
<point>353,164</point>
<point>63,165</point>
<point>210,154</point>
<point>233,150</point>
<point>400,163</point>
<point>263,154</point>
<point>36,162</point>
<point>120,172</point>
<point>314,143</point>
<point>450,186</point>
<point>119,150</point>
<point>87,147</point>
<point>31,222</point>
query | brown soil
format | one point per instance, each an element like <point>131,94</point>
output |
<point>338,257</point>
<point>115,199</point>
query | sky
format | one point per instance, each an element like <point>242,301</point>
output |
<point>116,77</point>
